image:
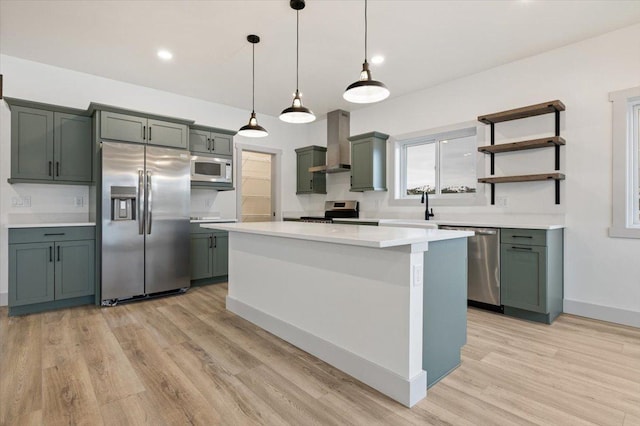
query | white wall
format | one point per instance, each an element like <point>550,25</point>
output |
<point>602,274</point>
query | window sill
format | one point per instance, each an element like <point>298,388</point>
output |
<point>617,232</point>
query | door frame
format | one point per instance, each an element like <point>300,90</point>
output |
<point>276,177</point>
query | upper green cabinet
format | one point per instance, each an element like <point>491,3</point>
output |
<point>210,140</point>
<point>140,129</point>
<point>307,182</point>
<point>49,145</point>
<point>531,273</point>
<point>369,162</point>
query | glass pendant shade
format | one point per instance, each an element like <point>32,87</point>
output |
<point>297,113</point>
<point>253,129</point>
<point>366,90</point>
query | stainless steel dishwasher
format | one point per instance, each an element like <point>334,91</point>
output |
<point>483,282</point>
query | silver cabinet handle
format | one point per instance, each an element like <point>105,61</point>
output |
<point>149,202</point>
<point>141,204</point>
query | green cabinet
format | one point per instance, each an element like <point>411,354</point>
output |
<point>531,273</point>
<point>209,254</point>
<point>141,129</point>
<point>306,181</point>
<point>369,162</point>
<point>210,140</point>
<point>49,146</point>
<point>50,268</point>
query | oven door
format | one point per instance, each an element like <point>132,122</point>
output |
<point>210,169</point>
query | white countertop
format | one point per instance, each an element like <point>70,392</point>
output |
<point>213,220</point>
<point>482,222</point>
<point>48,225</point>
<point>358,235</point>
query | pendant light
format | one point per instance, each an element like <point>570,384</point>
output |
<point>253,129</point>
<point>297,113</point>
<point>366,90</point>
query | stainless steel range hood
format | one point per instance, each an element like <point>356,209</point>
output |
<point>338,147</point>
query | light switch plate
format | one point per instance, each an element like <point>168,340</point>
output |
<point>417,275</point>
<point>78,201</point>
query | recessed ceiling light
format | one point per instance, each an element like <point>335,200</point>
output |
<point>164,54</point>
<point>377,60</point>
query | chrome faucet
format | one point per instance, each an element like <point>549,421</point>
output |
<point>425,200</point>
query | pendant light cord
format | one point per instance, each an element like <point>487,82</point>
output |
<point>253,77</point>
<point>365,30</point>
<point>297,47</point>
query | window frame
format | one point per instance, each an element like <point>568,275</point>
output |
<point>625,145</point>
<point>459,130</point>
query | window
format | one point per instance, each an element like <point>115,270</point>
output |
<point>443,164</point>
<point>626,163</point>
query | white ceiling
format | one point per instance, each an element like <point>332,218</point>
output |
<point>424,42</point>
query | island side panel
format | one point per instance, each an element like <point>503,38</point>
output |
<point>445,307</point>
<point>353,301</point>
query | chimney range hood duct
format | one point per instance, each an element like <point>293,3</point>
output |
<point>338,146</point>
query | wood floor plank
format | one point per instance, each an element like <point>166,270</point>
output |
<point>222,390</point>
<point>69,398</point>
<point>172,394</point>
<point>132,410</point>
<point>111,374</point>
<point>20,368</point>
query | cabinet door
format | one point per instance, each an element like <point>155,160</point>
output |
<point>361,166</point>
<point>31,273</point>
<point>31,143</point>
<point>199,141</point>
<point>75,268</point>
<point>221,144</point>
<point>220,255</point>
<point>165,133</point>
<point>72,147</point>
<point>304,179</point>
<point>122,127</point>
<point>201,256</point>
<point>523,277</point>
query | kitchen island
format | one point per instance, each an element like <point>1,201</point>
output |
<point>385,305</point>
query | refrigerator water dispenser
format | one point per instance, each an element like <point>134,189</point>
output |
<point>123,203</point>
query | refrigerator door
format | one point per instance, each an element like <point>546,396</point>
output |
<point>167,219</point>
<point>122,223</point>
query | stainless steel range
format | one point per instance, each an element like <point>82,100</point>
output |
<point>335,210</point>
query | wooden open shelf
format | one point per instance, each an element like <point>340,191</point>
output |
<point>528,111</point>
<point>522,178</point>
<point>522,145</point>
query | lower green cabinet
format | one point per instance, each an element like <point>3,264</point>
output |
<point>50,268</point>
<point>531,273</point>
<point>209,254</point>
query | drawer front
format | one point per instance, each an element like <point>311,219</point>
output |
<point>529,237</point>
<point>36,235</point>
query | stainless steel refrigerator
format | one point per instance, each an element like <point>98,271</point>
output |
<point>145,220</point>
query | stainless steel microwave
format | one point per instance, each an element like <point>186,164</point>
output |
<point>210,169</point>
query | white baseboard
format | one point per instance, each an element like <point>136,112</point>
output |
<point>604,313</point>
<point>407,392</point>
<point>4,299</point>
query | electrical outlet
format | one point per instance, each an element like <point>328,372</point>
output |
<point>501,201</point>
<point>26,201</point>
<point>417,275</point>
<point>208,202</point>
<point>78,201</point>
<point>21,201</point>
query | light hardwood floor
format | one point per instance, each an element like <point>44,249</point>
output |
<point>186,360</point>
